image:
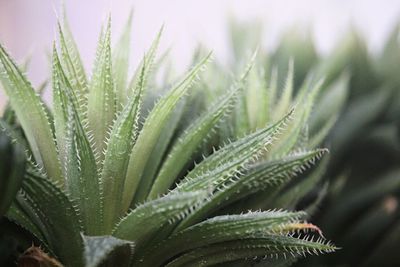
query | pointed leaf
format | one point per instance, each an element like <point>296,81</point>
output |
<point>159,152</point>
<point>79,163</point>
<point>189,141</point>
<point>121,62</point>
<point>101,97</point>
<point>72,63</point>
<point>116,160</point>
<point>32,116</point>
<point>149,59</point>
<point>285,98</point>
<point>150,133</point>
<point>217,169</point>
<point>269,225</point>
<point>276,247</point>
<point>147,219</point>
<point>60,218</point>
<point>270,175</point>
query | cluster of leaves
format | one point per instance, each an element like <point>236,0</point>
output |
<point>360,209</point>
<point>125,172</point>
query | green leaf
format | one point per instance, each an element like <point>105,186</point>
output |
<point>150,133</point>
<point>270,176</point>
<point>122,137</point>
<point>121,62</point>
<point>12,170</point>
<point>149,218</point>
<point>99,248</point>
<point>276,227</point>
<point>72,63</point>
<point>257,99</point>
<point>295,193</point>
<point>184,148</point>
<point>158,154</point>
<point>31,115</point>
<point>60,218</point>
<point>276,247</point>
<point>149,59</point>
<point>23,214</point>
<point>79,163</point>
<point>224,164</point>
<point>60,108</point>
<point>101,97</point>
<point>285,98</point>
<point>227,164</point>
<point>288,140</point>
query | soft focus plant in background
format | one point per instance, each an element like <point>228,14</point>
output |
<point>360,208</point>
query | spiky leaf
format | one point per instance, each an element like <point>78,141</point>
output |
<point>32,116</point>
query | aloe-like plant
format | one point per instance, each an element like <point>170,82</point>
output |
<point>108,184</point>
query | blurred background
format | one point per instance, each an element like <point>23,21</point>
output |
<point>28,26</point>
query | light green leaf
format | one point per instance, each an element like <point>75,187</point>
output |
<point>71,62</point>
<point>101,97</point>
<point>150,133</point>
<point>116,160</point>
<point>224,164</point>
<point>121,62</point>
<point>285,98</point>
<point>149,59</point>
<point>190,140</point>
<point>288,140</point>
<point>269,175</point>
<point>159,152</point>
<point>32,116</point>
<point>79,163</point>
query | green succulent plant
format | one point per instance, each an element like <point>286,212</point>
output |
<point>109,184</point>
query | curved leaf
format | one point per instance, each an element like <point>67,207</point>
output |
<point>32,116</point>
<point>151,131</point>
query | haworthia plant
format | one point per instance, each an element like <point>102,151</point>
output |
<point>111,185</point>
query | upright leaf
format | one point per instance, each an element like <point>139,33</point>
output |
<point>80,167</point>
<point>116,160</point>
<point>72,63</point>
<point>189,141</point>
<point>121,63</point>
<point>286,96</point>
<point>32,116</point>
<point>101,97</point>
<point>149,59</point>
<point>151,131</point>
